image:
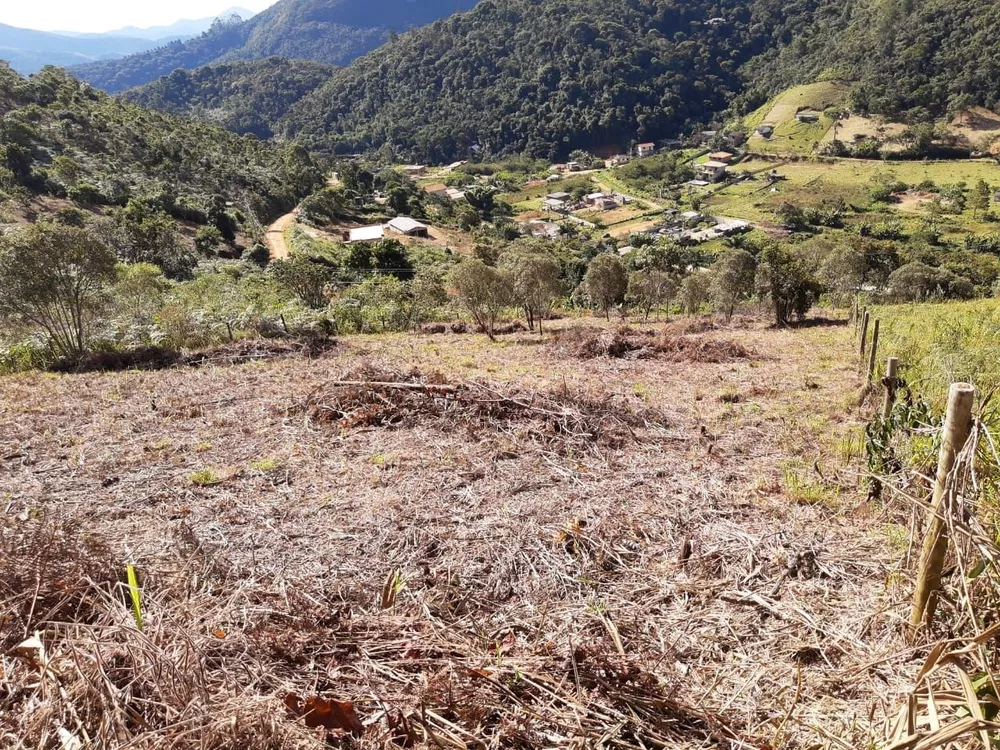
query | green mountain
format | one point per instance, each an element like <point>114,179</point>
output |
<point>245,97</point>
<point>62,138</point>
<point>549,77</point>
<point>329,31</point>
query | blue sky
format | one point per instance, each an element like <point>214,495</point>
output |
<point>105,15</point>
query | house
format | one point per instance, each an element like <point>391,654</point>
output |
<point>731,226</point>
<point>548,229</point>
<point>711,171</point>
<point>365,234</point>
<point>593,198</point>
<point>455,194</point>
<point>765,131</point>
<point>409,227</point>
<point>807,116</point>
<point>438,189</point>
<point>673,144</point>
<point>560,196</point>
<point>691,217</point>
<point>554,204</point>
<point>736,138</point>
<point>707,135</point>
<point>724,156</point>
<point>645,149</point>
<point>619,159</point>
<point>412,170</point>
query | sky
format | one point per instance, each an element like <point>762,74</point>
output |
<point>106,15</point>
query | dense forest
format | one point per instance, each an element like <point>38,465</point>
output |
<point>62,138</point>
<point>245,97</point>
<point>548,77</point>
<point>329,31</point>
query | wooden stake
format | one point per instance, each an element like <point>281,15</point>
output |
<point>957,426</point>
<point>874,351</point>
<point>864,335</point>
<point>891,368</point>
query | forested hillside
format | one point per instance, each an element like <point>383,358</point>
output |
<point>245,97</point>
<point>62,138</point>
<point>545,78</point>
<point>329,31</point>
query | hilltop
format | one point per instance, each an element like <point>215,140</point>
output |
<point>327,31</point>
<point>245,97</point>
<point>62,138</point>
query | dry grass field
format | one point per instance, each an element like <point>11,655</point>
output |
<point>438,542</point>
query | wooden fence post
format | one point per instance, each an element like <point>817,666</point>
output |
<point>864,335</point>
<point>874,351</point>
<point>957,426</point>
<point>891,368</point>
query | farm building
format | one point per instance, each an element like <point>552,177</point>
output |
<point>409,227</point>
<point>365,234</point>
<point>807,116</point>
<point>439,189</point>
<point>723,156</point>
<point>553,204</point>
<point>561,196</point>
<point>455,194</point>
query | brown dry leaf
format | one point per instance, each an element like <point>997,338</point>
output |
<point>319,712</point>
<point>219,633</point>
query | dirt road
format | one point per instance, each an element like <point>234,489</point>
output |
<point>275,236</point>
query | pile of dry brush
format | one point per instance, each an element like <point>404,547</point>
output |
<point>560,419</point>
<point>629,343</point>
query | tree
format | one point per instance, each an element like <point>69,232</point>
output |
<point>303,278</point>
<point>696,290</point>
<point>483,290</point>
<point>142,233</point>
<point>732,279</point>
<point>916,282</point>
<point>784,276</point>
<point>54,278</point>
<point>606,282</point>
<point>137,296</point>
<point>206,239</point>
<point>982,194</point>
<point>651,288</point>
<point>536,285</point>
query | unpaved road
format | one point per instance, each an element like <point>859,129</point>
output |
<point>275,236</point>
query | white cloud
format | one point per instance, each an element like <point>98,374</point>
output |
<point>106,15</point>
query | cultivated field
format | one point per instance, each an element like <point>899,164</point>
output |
<point>622,540</point>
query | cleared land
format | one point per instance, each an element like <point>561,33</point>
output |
<point>667,548</point>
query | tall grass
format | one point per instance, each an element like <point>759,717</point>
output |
<point>939,344</point>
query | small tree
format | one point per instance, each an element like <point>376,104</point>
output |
<point>206,239</point>
<point>54,278</point>
<point>696,290</point>
<point>606,282</point>
<point>980,199</point>
<point>303,278</point>
<point>785,277</point>
<point>651,289</point>
<point>536,286</point>
<point>732,280</point>
<point>483,291</point>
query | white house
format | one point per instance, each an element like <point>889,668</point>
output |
<point>409,227</point>
<point>366,234</point>
<point>645,149</point>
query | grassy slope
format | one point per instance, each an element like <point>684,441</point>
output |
<point>791,136</point>
<point>563,556</point>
